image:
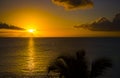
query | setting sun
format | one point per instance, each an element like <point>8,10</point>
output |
<point>31,30</point>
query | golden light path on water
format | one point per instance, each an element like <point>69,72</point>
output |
<point>37,60</point>
<point>31,55</point>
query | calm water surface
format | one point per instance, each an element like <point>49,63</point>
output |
<point>31,56</point>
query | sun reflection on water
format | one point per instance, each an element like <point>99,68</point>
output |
<point>37,58</point>
<point>31,55</point>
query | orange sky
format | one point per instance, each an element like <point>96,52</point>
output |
<point>50,20</point>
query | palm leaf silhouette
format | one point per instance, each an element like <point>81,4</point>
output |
<point>99,66</point>
<point>78,67</point>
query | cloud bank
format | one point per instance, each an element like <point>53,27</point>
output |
<point>6,26</point>
<point>103,24</point>
<point>74,4</point>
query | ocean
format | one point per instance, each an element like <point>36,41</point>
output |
<point>31,56</point>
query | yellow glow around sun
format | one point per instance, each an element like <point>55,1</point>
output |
<point>31,30</point>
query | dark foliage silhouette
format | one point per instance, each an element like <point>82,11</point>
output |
<point>78,67</point>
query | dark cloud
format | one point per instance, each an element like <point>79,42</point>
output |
<point>74,4</point>
<point>103,24</point>
<point>6,26</point>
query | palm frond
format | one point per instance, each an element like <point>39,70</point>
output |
<point>80,54</point>
<point>73,67</point>
<point>57,66</point>
<point>67,60</point>
<point>52,67</point>
<point>99,66</point>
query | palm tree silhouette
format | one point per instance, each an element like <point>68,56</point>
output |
<point>78,67</point>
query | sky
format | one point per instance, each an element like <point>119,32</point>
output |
<point>60,18</point>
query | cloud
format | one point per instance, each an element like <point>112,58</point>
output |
<point>74,4</point>
<point>6,26</point>
<point>103,24</point>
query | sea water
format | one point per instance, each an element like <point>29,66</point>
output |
<point>31,56</point>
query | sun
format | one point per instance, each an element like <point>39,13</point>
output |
<point>31,30</point>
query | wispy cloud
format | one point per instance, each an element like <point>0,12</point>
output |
<point>103,24</point>
<point>11,27</point>
<point>74,4</point>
